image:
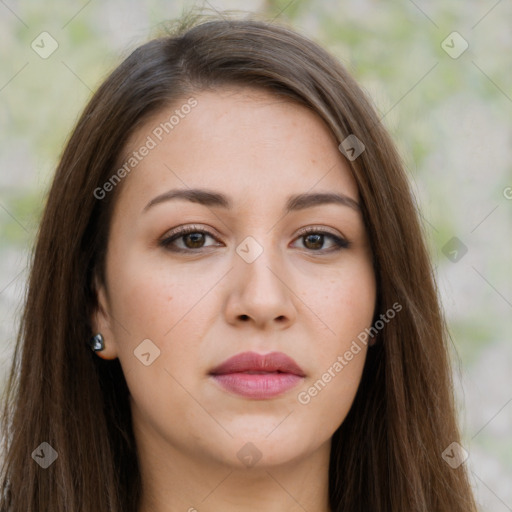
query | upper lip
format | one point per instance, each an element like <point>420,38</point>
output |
<point>252,361</point>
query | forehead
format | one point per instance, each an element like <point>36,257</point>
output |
<point>243,141</point>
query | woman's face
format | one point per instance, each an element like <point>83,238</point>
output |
<point>249,277</point>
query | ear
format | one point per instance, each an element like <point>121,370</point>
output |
<point>102,322</point>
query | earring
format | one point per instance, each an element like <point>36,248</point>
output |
<point>97,343</point>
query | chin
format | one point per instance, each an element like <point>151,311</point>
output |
<point>265,450</point>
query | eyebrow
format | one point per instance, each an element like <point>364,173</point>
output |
<point>215,199</point>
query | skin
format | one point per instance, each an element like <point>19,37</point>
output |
<point>300,296</point>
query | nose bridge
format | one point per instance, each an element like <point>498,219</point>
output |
<point>259,259</point>
<point>260,280</point>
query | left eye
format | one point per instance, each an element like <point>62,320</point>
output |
<point>314,240</point>
<point>193,238</point>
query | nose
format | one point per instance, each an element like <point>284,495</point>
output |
<point>261,293</point>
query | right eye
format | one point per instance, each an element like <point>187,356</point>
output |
<point>192,238</point>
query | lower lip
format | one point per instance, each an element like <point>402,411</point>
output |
<point>259,386</point>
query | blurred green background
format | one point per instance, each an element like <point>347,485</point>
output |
<point>448,107</point>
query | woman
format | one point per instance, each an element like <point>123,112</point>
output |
<point>231,232</point>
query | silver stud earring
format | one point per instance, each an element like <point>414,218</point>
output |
<point>97,343</point>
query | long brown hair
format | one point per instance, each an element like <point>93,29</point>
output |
<point>386,455</point>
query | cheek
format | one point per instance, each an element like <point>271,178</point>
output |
<point>325,402</point>
<point>346,308</point>
<point>169,307</point>
<point>344,302</point>
<point>153,299</point>
<point>153,303</point>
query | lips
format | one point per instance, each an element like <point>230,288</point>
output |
<point>251,362</point>
<point>258,376</point>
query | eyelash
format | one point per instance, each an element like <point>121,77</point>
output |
<point>166,242</point>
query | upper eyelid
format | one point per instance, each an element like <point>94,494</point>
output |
<point>320,229</point>
<point>183,230</point>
